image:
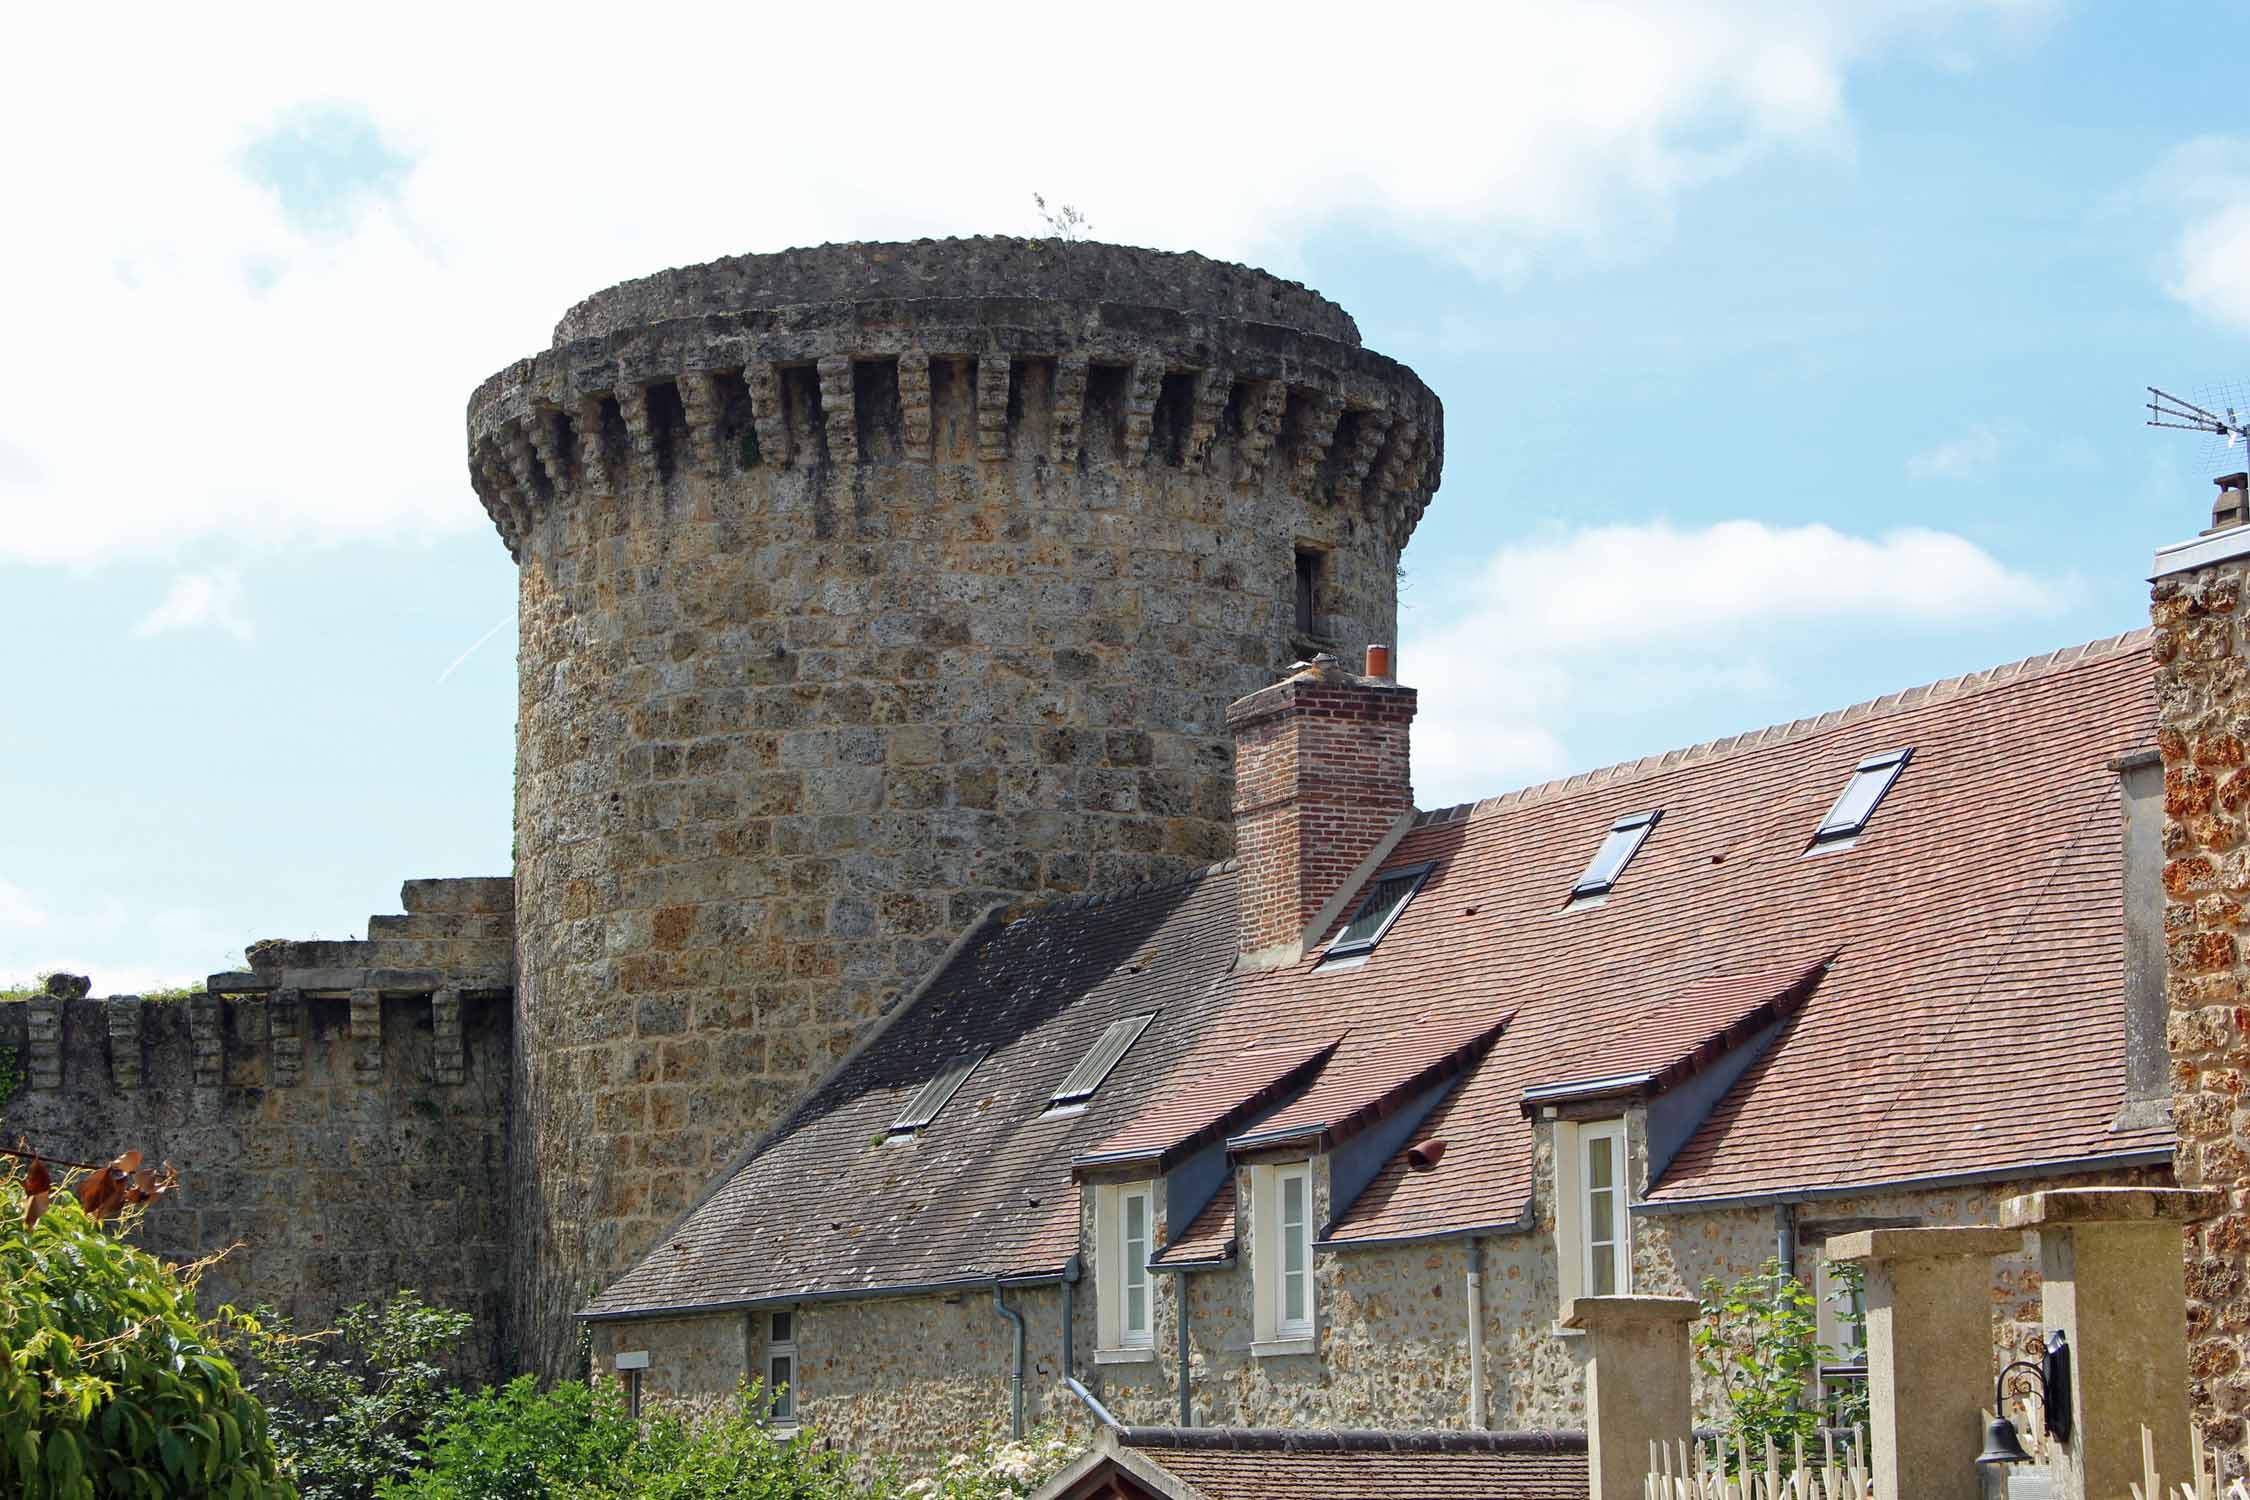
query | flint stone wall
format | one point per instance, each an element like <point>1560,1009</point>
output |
<point>863,588</point>
<point>349,1143</point>
<point>2203,729</point>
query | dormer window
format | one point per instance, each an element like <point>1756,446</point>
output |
<point>1281,1261</point>
<point>1074,1091</point>
<point>1626,836</point>
<point>933,1096</point>
<point>1384,901</point>
<point>1860,796</point>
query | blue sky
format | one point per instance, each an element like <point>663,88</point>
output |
<point>1791,355</point>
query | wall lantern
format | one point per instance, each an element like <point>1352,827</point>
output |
<point>2002,1444</point>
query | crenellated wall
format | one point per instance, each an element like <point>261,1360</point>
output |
<point>863,588</point>
<point>339,1112</point>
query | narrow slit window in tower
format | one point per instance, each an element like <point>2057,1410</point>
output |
<point>1309,562</point>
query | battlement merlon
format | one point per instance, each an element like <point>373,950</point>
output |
<point>851,355</point>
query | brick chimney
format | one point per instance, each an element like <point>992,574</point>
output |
<point>1322,791</point>
<point>2202,703</point>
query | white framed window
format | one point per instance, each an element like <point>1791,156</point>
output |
<point>1125,1237</point>
<point>781,1365</point>
<point>632,1364</point>
<point>1609,1243</point>
<point>1593,1195</point>
<point>1281,1206</point>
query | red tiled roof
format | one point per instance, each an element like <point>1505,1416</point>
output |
<point>1369,1072</point>
<point>1210,1238</point>
<point>1212,1093</point>
<point>1972,1019</point>
<point>1255,1464</point>
<point>1663,1043</point>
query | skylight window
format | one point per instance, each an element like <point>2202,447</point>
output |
<point>1384,902</point>
<point>1616,852</point>
<point>1095,1065</point>
<point>1857,805</point>
<point>935,1095</point>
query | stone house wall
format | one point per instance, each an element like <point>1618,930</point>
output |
<point>915,1378</point>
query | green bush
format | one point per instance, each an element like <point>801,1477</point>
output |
<point>348,1408</point>
<point>1758,1338</point>
<point>573,1442</point>
<point>110,1384</point>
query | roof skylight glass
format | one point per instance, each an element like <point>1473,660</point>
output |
<point>935,1094</point>
<point>1095,1065</point>
<point>1385,900</point>
<point>1857,804</point>
<point>1617,851</point>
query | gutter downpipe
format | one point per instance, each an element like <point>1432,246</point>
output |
<point>1476,1334</point>
<point>1187,1386</point>
<point>1101,1413</point>
<point>1070,1278</point>
<point>1015,1378</point>
<point>1785,1236</point>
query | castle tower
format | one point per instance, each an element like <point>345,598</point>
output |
<point>862,588</point>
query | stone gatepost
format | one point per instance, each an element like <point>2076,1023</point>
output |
<point>2113,1280</point>
<point>1636,1384</point>
<point>1929,1354</point>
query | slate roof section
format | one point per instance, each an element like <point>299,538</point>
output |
<point>1265,1464</point>
<point>826,1207</point>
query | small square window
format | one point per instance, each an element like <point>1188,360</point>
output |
<point>1860,796</point>
<point>1383,903</point>
<point>1626,836</point>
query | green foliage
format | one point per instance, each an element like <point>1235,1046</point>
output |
<point>517,1442</point>
<point>349,1408</point>
<point>576,1443</point>
<point>1758,1339</point>
<point>11,1074</point>
<point>110,1384</point>
<point>1847,1407</point>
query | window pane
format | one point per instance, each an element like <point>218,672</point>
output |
<point>1598,1170</point>
<point>784,1328</point>
<point>1292,1202</point>
<point>781,1381</point>
<point>1604,1277</point>
<point>1617,850</point>
<point>1601,1223</point>
<point>1866,788</point>
<point>1136,1305</point>
<point>1293,1297</point>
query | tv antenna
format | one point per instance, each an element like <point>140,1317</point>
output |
<point>2168,410</point>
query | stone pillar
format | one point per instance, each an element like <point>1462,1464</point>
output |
<point>1636,1384</point>
<point>2113,1280</point>
<point>1929,1354</point>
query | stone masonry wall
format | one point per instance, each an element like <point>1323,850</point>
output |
<point>861,589</point>
<point>919,1377</point>
<point>349,1143</point>
<point>2203,719</point>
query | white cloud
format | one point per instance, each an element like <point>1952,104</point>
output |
<point>1573,622</point>
<point>2205,185</point>
<point>1973,451</point>
<point>18,912</point>
<point>200,601</point>
<point>276,251</point>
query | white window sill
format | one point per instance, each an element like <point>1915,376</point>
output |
<point>1278,1348</point>
<point>1562,1331</point>
<point>1125,1356</point>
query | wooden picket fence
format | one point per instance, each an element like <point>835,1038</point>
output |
<point>1696,1471</point>
<point>1690,1471</point>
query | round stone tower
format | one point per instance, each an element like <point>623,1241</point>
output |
<point>864,587</point>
